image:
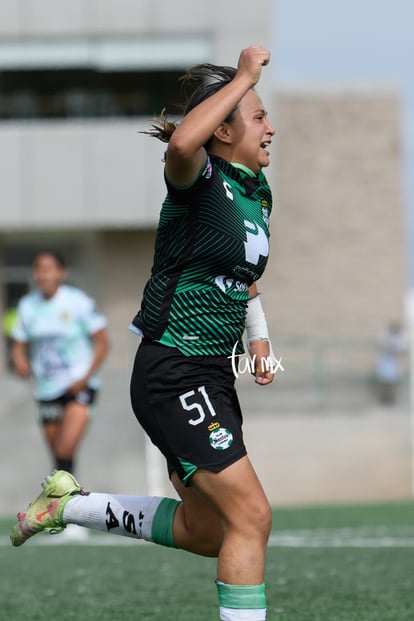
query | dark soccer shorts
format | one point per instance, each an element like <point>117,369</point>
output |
<point>52,411</point>
<point>189,408</point>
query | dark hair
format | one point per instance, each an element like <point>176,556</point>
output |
<point>210,78</point>
<point>57,256</point>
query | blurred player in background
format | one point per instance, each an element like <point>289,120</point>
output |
<point>211,248</point>
<point>393,345</point>
<point>60,340</point>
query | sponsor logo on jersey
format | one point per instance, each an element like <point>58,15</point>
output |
<point>265,214</point>
<point>245,272</point>
<point>225,284</point>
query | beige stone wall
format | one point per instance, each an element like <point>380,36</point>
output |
<point>127,259</point>
<point>337,267</point>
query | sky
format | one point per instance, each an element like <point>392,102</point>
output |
<point>331,42</point>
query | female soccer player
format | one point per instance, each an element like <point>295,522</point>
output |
<point>60,339</point>
<point>211,248</point>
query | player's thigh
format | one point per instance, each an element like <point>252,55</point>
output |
<point>73,424</point>
<point>237,495</point>
<point>199,510</point>
<point>196,518</point>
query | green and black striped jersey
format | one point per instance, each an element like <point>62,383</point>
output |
<point>211,245</point>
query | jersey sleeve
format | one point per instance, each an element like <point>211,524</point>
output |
<point>91,318</point>
<point>190,193</point>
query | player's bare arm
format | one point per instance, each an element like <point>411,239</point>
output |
<point>185,153</point>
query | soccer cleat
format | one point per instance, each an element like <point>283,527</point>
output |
<point>45,513</point>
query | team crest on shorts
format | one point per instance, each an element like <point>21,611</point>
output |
<point>221,439</point>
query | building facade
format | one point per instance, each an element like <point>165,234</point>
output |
<point>79,80</point>
<point>76,172</point>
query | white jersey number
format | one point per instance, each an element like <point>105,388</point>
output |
<point>195,405</point>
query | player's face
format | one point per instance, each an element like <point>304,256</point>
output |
<point>48,274</point>
<point>252,133</point>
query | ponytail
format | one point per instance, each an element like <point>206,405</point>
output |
<point>211,79</point>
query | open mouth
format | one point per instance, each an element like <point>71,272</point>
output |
<point>265,144</point>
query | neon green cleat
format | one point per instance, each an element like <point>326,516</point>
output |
<point>45,513</point>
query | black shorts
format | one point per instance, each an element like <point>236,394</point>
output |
<point>52,410</point>
<point>189,408</point>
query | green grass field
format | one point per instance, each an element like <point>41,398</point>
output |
<point>351,563</point>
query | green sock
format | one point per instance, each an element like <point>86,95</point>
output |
<point>236,597</point>
<point>162,525</point>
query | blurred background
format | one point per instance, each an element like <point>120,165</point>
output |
<point>79,80</point>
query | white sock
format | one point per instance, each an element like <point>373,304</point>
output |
<point>130,516</point>
<point>235,614</point>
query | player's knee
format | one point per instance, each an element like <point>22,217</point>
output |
<point>262,519</point>
<point>266,520</point>
<point>255,521</point>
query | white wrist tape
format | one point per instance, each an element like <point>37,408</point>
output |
<point>256,325</point>
<point>256,330</point>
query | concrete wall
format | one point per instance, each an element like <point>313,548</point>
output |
<point>103,174</point>
<point>86,175</point>
<point>338,260</point>
<point>127,259</point>
<point>74,17</point>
